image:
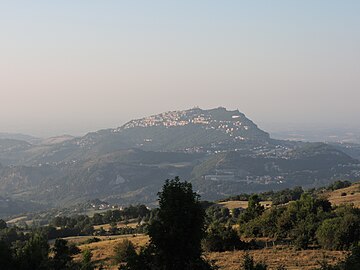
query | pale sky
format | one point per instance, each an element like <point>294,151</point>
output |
<point>75,66</point>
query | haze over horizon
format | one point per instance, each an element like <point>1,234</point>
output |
<point>71,67</point>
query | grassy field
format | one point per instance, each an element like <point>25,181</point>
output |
<point>231,260</point>
<point>106,227</point>
<point>103,251</point>
<point>15,220</point>
<point>242,204</point>
<point>275,256</point>
<point>337,197</point>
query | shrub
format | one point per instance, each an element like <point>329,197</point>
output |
<point>352,261</point>
<point>339,184</point>
<point>124,251</point>
<point>221,238</point>
<point>86,263</point>
<point>92,240</point>
<point>339,232</point>
<point>249,264</point>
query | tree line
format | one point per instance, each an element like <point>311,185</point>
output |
<point>183,227</point>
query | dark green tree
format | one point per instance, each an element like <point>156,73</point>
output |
<point>6,257</point>
<point>253,210</point>
<point>352,261</point>
<point>97,219</point>
<point>63,255</point>
<point>176,233</point>
<point>342,231</point>
<point>33,254</point>
<point>124,251</point>
<point>222,238</point>
<point>3,224</point>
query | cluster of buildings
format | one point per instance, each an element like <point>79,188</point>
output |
<point>183,118</point>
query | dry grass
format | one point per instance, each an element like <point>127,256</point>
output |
<point>106,227</point>
<point>104,251</point>
<point>242,204</point>
<point>78,240</point>
<point>231,260</point>
<point>15,220</point>
<point>274,257</point>
<point>352,195</point>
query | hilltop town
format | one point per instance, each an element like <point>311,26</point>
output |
<point>229,122</point>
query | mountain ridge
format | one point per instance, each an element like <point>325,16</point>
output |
<point>221,152</point>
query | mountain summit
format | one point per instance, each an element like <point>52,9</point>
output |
<point>187,131</point>
<point>193,130</point>
<point>232,123</point>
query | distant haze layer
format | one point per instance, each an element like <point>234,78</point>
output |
<point>76,66</point>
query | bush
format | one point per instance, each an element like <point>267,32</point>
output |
<point>249,264</point>
<point>352,261</point>
<point>264,225</point>
<point>92,240</point>
<point>86,263</point>
<point>339,184</point>
<point>5,256</point>
<point>124,251</point>
<point>63,255</point>
<point>3,224</point>
<point>222,238</point>
<point>340,232</point>
<point>254,209</point>
<point>33,254</point>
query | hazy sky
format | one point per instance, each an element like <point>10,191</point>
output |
<point>74,66</point>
